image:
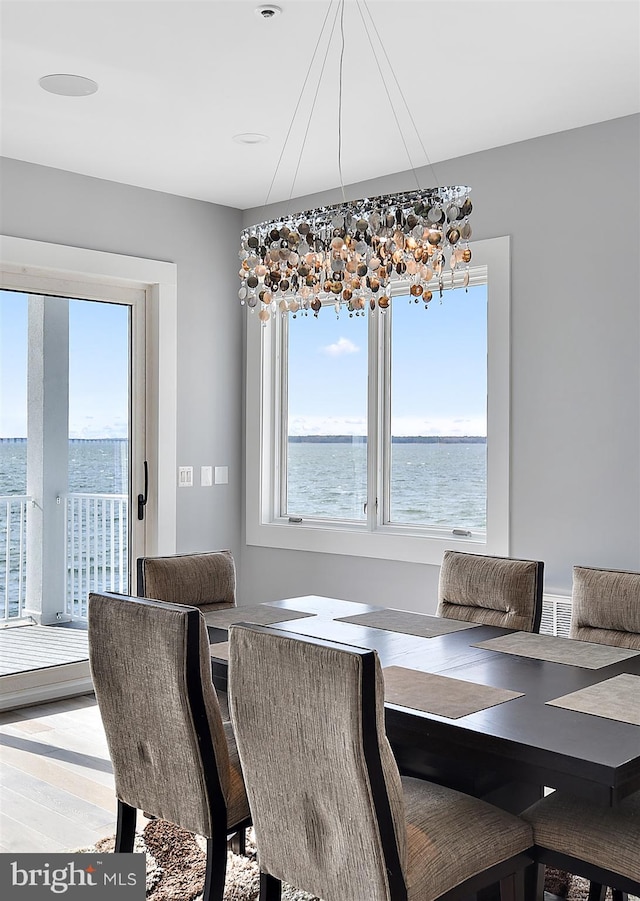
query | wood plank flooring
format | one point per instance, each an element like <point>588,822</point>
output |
<point>56,781</point>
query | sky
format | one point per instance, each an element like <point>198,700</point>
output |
<point>98,369</point>
<point>438,368</point>
<point>438,374</point>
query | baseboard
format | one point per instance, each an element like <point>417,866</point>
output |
<point>47,684</point>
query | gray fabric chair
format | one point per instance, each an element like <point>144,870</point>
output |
<point>600,843</point>
<point>331,814</point>
<point>206,580</point>
<point>172,755</point>
<point>605,607</point>
<point>493,591</point>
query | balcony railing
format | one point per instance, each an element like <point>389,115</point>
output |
<point>96,551</point>
<point>13,554</point>
<point>97,548</point>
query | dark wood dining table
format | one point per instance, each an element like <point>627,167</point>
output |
<point>507,752</point>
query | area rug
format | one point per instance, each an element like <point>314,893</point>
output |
<point>176,867</point>
<point>176,862</point>
<point>561,885</point>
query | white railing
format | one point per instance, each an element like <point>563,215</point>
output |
<point>13,555</point>
<point>96,548</point>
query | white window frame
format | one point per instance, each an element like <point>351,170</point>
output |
<point>407,543</point>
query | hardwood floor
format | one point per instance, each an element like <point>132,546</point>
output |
<point>56,781</point>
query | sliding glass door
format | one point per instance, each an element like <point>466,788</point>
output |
<point>71,446</point>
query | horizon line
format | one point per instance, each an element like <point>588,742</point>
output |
<point>342,435</point>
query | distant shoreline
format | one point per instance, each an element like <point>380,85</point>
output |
<point>71,440</point>
<point>396,439</point>
<point>313,439</point>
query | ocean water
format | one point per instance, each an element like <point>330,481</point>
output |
<point>95,466</point>
<point>438,484</point>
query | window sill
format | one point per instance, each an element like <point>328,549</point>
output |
<point>390,543</point>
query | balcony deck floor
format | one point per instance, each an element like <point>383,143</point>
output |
<point>33,647</point>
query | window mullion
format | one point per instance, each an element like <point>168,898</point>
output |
<point>280,346</point>
<point>384,430</point>
<point>375,419</point>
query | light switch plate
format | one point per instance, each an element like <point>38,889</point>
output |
<point>206,476</point>
<point>185,476</point>
<point>221,475</point>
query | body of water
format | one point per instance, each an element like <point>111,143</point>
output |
<point>95,466</point>
<point>436,483</point>
<point>441,484</point>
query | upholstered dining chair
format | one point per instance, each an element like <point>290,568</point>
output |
<point>605,606</point>
<point>172,755</point>
<point>206,580</point>
<point>331,814</point>
<point>599,843</point>
<point>493,591</point>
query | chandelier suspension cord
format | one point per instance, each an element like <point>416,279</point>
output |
<point>406,105</point>
<point>313,105</point>
<point>295,112</point>
<point>386,88</point>
<point>344,199</point>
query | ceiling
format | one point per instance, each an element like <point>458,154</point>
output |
<point>179,78</point>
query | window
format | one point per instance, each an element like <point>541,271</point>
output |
<point>436,385</point>
<point>385,435</point>
<point>324,385</point>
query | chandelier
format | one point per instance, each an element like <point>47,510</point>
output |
<point>350,254</point>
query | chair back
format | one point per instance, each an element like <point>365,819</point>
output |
<point>605,607</point>
<point>324,789</point>
<point>494,591</point>
<point>151,672</point>
<point>206,580</point>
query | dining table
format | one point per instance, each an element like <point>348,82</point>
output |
<point>498,713</point>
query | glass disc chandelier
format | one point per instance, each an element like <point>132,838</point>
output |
<point>350,254</point>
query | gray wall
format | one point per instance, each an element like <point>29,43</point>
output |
<point>51,205</point>
<point>570,203</point>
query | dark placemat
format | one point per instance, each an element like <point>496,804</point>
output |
<point>408,623</point>
<point>553,649</point>
<point>617,698</point>
<point>260,614</point>
<point>440,695</point>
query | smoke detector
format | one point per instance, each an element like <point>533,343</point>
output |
<point>268,12</point>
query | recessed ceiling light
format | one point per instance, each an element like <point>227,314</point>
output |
<point>268,12</point>
<point>68,85</point>
<point>251,138</point>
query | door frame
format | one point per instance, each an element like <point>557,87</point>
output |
<point>34,266</point>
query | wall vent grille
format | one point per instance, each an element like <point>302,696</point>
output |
<point>556,615</point>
